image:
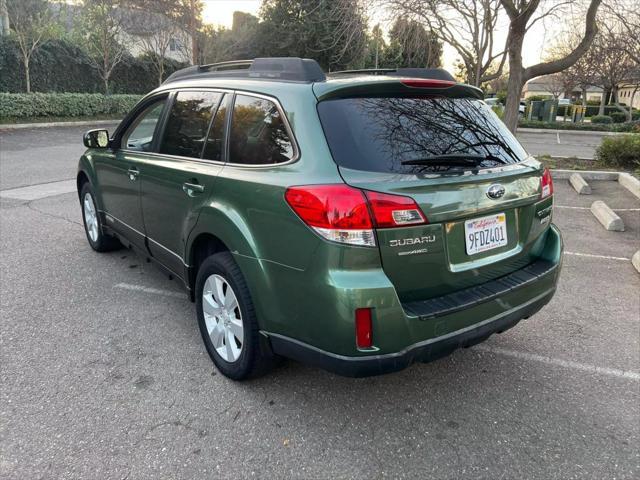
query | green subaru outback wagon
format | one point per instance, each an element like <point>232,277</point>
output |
<point>358,221</point>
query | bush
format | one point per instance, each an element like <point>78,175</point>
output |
<point>25,105</point>
<point>618,117</point>
<point>601,119</point>
<point>537,98</point>
<point>621,151</point>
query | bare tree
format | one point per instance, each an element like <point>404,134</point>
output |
<point>155,33</point>
<point>32,23</point>
<point>467,25</point>
<point>522,15</point>
<point>101,32</point>
<point>581,74</point>
<point>612,64</point>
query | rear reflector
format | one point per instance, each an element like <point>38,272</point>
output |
<point>547,183</point>
<point>429,83</point>
<point>394,210</point>
<point>364,326</point>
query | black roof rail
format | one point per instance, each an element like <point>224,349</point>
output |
<point>430,73</point>
<point>274,68</point>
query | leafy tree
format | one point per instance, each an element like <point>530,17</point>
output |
<point>331,31</point>
<point>375,48</point>
<point>412,45</point>
<point>31,23</point>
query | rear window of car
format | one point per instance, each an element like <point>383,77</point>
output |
<point>258,134</point>
<point>380,133</point>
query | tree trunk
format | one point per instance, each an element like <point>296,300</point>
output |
<point>516,77</point>
<point>27,77</point>
<point>106,85</point>
<point>583,92</point>
<point>603,102</point>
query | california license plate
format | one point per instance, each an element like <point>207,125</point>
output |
<point>486,233</point>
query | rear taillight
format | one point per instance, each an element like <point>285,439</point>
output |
<point>394,210</point>
<point>364,328</point>
<point>345,214</point>
<point>547,183</point>
<point>336,212</point>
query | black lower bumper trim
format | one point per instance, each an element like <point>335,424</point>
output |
<point>470,297</point>
<point>426,351</point>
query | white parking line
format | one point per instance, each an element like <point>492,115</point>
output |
<point>589,255</point>
<point>155,291</point>
<point>42,190</point>
<point>557,362</point>
<point>589,208</point>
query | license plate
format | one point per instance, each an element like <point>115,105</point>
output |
<point>486,233</point>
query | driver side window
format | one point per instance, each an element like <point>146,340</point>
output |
<point>139,135</point>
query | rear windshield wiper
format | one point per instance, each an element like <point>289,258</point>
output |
<point>453,159</point>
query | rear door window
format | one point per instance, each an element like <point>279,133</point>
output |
<point>258,133</point>
<point>186,129</point>
<point>382,134</point>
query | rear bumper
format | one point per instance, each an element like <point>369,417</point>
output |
<point>428,330</point>
<point>425,351</point>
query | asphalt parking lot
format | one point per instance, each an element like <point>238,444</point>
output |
<point>104,374</point>
<point>580,144</point>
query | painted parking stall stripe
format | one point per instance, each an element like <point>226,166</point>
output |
<point>154,291</point>
<point>604,257</point>
<point>557,362</point>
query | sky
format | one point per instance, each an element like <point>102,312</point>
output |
<point>220,12</point>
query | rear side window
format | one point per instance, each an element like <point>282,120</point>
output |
<point>258,134</point>
<point>379,134</point>
<point>188,122</point>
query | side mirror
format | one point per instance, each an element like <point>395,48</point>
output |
<point>96,138</point>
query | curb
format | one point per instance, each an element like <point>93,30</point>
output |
<point>20,126</point>
<point>572,132</point>
<point>586,174</point>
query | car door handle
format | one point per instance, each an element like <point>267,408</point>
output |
<point>192,189</point>
<point>133,173</point>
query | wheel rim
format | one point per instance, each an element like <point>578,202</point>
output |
<point>90,218</point>
<point>223,318</point>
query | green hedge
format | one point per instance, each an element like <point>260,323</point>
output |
<point>23,105</point>
<point>620,152</point>
<point>601,119</point>
<point>620,127</point>
<point>60,66</point>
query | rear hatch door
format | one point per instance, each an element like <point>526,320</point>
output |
<point>477,187</point>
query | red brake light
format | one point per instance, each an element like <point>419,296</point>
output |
<point>364,327</point>
<point>546,183</point>
<point>394,210</point>
<point>429,83</point>
<point>336,212</point>
<point>345,214</point>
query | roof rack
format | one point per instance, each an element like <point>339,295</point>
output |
<point>281,68</point>
<point>430,73</point>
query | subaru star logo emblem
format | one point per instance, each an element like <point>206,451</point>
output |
<point>495,191</point>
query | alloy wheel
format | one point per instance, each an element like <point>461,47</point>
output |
<point>223,318</point>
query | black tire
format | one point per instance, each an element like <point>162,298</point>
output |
<point>255,357</point>
<point>102,241</point>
